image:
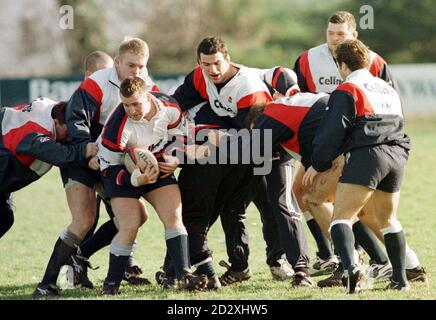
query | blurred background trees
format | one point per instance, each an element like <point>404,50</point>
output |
<point>259,33</point>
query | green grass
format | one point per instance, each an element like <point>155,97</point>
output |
<point>42,212</point>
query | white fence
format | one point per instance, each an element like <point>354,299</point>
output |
<point>417,86</point>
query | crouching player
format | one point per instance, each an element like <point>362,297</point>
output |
<point>364,121</point>
<point>143,119</point>
<point>32,138</point>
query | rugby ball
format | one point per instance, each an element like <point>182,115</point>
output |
<point>134,156</point>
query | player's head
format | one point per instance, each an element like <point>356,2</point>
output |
<point>58,116</point>
<point>255,111</point>
<point>97,60</point>
<point>135,98</point>
<point>213,57</point>
<point>132,58</point>
<point>352,55</point>
<point>341,26</point>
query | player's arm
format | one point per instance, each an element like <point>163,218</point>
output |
<point>244,104</point>
<point>330,137</point>
<point>192,91</point>
<point>267,134</point>
<point>379,68</point>
<point>43,147</point>
<point>301,78</point>
<point>82,110</point>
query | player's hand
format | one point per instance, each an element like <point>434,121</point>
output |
<point>308,177</point>
<point>214,137</point>
<point>195,151</point>
<point>94,164</point>
<point>169,166</point>
<point>149,176</point>
<point>91,150</point>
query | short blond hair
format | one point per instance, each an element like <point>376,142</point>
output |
<point>95,59</point>
<point>135,46</point>
<point>132,85</point>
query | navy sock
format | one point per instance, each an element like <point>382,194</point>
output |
<point>396,247</point>
<point>61,253</point>
<point>168,266</point>
<point>323,243</point>
<point>117,267</point>
<point>178,249</point>
<point>343,240</point>
<point>98,240</point>
<point>369,242</point>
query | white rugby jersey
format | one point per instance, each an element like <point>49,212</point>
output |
<point>240,92</point>
<point>91,104</point>
<point>320,72</point>
<point>121,132</point>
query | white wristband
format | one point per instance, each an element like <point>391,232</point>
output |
<point>134,177</point>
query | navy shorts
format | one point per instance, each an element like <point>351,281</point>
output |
<point>113,189</point>
<point>378,167</point>
<point>81,174</point>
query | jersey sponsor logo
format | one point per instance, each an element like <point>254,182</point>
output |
<point>44,139</point>
<point>377,88</point>
<point>332,80</point>
<point>218,105</point>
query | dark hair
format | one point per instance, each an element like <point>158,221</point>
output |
<point>58,112</point>
<point>131,85</point>
<point>255,111</point>
<point>353,53</point>
<point>339,17</point>
<point>212,45</point>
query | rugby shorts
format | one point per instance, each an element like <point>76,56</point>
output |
<point>377,167</point>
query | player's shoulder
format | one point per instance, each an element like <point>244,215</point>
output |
<point>166,99</point>
<point>103,76</point>
<point>248,78</point>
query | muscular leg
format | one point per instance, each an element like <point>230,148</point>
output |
<point>130,216</point>
<point>319,234</point>
<point>345,210</point>
<point>81,200</point>
<point>168,205</point>
<point>386,205</point>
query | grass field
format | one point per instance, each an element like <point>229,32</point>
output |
<point>41,213</point>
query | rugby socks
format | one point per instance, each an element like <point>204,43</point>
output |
<point>177,246</point>
<point>119,255</point>
<point>395,243</point>
<point>65,246</point>
<point>168,266</point>
<point>131,262</point>
<point>323,243</point>
<point>369,242</point>
<point>343,240</point>
<point>100,239</point>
